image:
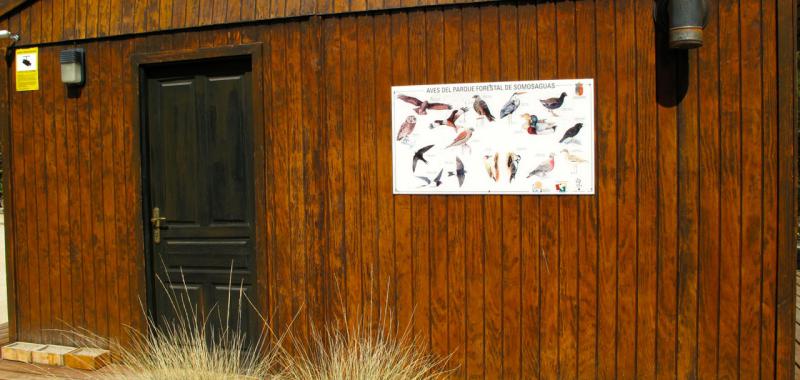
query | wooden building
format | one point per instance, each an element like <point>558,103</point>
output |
<point>682,264</point>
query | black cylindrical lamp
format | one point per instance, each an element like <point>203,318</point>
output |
<point>687,19</point>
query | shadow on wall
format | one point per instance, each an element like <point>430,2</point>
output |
<point>672,68</point>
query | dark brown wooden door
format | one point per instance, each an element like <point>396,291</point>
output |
<point>200,176</point>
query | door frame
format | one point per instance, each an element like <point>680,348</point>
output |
<point>140,63</point>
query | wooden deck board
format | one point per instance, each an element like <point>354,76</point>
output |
<point>18,370</point>
<point>10,370</point>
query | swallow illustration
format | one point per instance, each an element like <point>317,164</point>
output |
<point>482,108</point>
<point>460,172</point>
<point>407,127</point>
<point>571,133</point>
<point>420,156</point>
<point>423,106</point>
<point>511,105</point>
<point>436,182</point>
<point>544,168</point>
<point>513,164</point>
<point>451,121</point>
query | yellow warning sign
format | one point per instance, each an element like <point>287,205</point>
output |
<point>27,64</point>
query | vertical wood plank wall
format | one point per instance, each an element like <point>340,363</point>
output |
<point>79,19</point>
<point>681,265</point>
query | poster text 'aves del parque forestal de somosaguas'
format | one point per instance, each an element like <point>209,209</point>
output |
<point>527,137</point>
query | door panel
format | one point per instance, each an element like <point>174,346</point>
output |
<point>181,296</point>
<point>176,160</point>
<point>200,152</point>
<point>225,95</point>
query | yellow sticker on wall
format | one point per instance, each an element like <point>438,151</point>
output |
<point>27,64</point>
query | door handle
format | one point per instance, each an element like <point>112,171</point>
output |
<point>155,222</point>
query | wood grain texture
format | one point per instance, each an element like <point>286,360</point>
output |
<point>786,20</point>
<point>549,224</point>
<point>666,320</point>
<point>675,268</point>
<point>647,183</point>
<point>627,207</point>
<point>730,192</point>
<point>606,174</point>
<point>86,19</point>
<point>709,227</point>
<point>587,223</point>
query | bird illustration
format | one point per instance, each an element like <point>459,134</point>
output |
<point>482,108</point>
<point>420,156</point>
<point>535,126</point>
<point>571,133</point>
<point>553,104</point>
<point>511,105</point>
<point>407,127</point>
<point>462,138</point>
<point>513,164</point>
<point>545,167</point>
<point>423,106</point>
<point>575,159</point>
<point>436,181</point>
<point>460,172</point>
<point>490,163</point>
<point>451,121</point>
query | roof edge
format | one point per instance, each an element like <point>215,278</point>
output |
<point>7,6</point>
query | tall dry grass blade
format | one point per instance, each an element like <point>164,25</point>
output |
<point>364,351</point>
<point>191,346</point>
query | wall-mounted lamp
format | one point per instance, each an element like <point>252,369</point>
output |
<point>684,20</point>
<point>73,69</point>
<point>11,36</point>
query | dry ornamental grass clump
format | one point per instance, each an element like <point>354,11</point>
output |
<point>362,354</point>
<point>193,347</point>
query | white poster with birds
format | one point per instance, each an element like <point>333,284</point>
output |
<point>522,137</point>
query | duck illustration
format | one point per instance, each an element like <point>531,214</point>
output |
<point>535,126</point>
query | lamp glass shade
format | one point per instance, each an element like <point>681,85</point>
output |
<point>72,67</point>
<point>71,73</point>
